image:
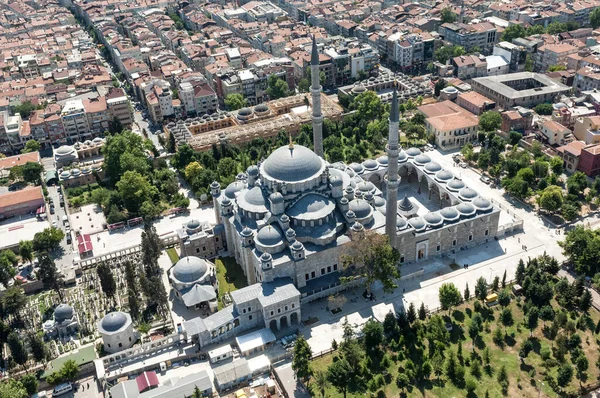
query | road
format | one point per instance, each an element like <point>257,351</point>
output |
<point>65,258</point>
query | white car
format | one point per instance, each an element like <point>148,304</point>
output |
<point>54,224</point>
<point>463,165</point>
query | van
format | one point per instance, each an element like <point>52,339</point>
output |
<point>62,389</point>
<point>65,219</point>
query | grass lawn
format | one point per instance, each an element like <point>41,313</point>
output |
<point>524,378</point>
<point>82,356</point>
<point>173,256</point>
<point>230,276</point>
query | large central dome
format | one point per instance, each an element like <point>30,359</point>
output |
<point>292,164</point>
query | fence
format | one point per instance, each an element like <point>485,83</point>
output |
<point>94,261</point>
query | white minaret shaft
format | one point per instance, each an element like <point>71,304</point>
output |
<point>315,90</point>
<point>392,182</point>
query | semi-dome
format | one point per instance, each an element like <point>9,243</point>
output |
<point>455,185</point>
<point>255,197</point>
<point>449,214</point>
<point>360,207</point>
<point>432,167</point>
<point>466,209</point>
<point>370,164</point>
<point>413,151</point>
<point>234,188</point>
<point>382,160</point>
<point>269,236</point>
<point>312,207</point>
<point>422,159</point>
<point>482,205</point>
<point>190,269</point>
<point>114,321</point>
<point>444,176</point>
<point>417,223</point>
<point>433,219</point>
<point>292,164</point>
<point>63,312</point>
<point>467,193</point>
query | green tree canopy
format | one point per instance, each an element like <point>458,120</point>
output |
<point>512,32</point>
<point>123,152</point>
<point>32,172</point>
<point>445,53</point>
<point>31,146</point>
<point>135,190</point>
<point>277,88</point>
<point>490,121</point>
<point>544,109</point>
<point>302,357</point>
<point>26,250</point>
<point>449,296</point>
<point>448,16</point>
<point>577,183</point>
<point>25,109</point>
<point>339,375</point>
<point>233,102</point>
<point>48,239</point>
<point>551,198</point>
<point>12,388</point>
<point>595,18</point>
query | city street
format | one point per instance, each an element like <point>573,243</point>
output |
<point>69,251</point>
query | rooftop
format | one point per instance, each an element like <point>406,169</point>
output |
<point>541,84</point>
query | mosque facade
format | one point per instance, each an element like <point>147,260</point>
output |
<point>291,215</point>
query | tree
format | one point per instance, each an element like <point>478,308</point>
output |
<point>339,375</point>
<point>135,189</point>
<point>551,198</point>
<point>37,347</point>
<point>555,28</point>
<point>476,368</point>
<point>411,314</point>
<point>467,293</point>
<point>49,275</point>
<point>546,313</point>
<point>443,54</point>
<point>31,146</point>
<point>503,378</point>
<point>506,318</point>
<point>17,349</point>
<point>503,280</point>
<point>503,298</point>
<point>368,105</point>
<point>481,288</point>
<point>449,296</point>
<point>569,211</point>
<point>520,272</point>
<point>107,280</point>
<point>595,18</point>
<point>30,382</point>
<point>48,239</point>
<point>197,393</point>
<point>192,171</point>
<point>402,381</point>
<point>565,374</point>
<point>277,88</point>
<point>585,301</point>
<point>582,365</point>
<point>301,361</point>
<point>26,250</point>
<point>32,172</point>
<point>336,301</point>
<point>373,258</point>
<point>12,388</point>
<point>514,137</point>
<point>490,121</point>
<point>512,32</point>
<point>14,300</point>
<point>321,382</point>
<point>475,328</point>
<point>556,165</point>
<point>532,319</point>
<point>577,183</point>
<point>448,16</point>
<point>422,312</point>
<point>544,109</point>
<point>454,370</point>
<point>233,102</point>
<point>440,84</point>
<point>373,337</point>
<point>25,109</point>
<point>556,68</point>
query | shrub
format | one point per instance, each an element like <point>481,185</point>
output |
<point>545,353</point>
<point>471,386</point>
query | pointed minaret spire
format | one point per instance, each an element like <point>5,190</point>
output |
<point>315,89</point>
<point>392,180</point>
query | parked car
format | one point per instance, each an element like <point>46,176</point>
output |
<point>463,165</point>
<point>485,180</point>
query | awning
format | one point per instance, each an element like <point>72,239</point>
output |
<point>256,339</point>
<point>84,243</point>
<point>40,210</point>
<point>146,380</point>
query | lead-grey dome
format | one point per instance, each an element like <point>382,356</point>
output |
<point>455,185</point>
<point>370,164</point>
<point>245,112</point>
<point>190,269</point>
<point>401,223</point>
<point>413,151</point>
<point>192,226</point>
<point>252,171</point>
<point>356,167</point>
<point>467,193</point>
<point>276,198</point>
<point>444,176</point>
<point>64,150</point>
<point>382,160</point>
<point>433,219</point>
<point>402,157</point>
<point>379,201</point>
<point>422,159</point>
<point>234,188</point>
<point>482,205</point>
<point>292,164</point>
<point>417,223</point>
<point>261,108</point>
<point>255,197</point>
<point>360,207</point>
<point>466,209</point>
<point>63,312</point>
<point>365,186</point>
<point>269,236</point>
<point>450,214</point>
<point>114,321</point>
<point>432,167</point>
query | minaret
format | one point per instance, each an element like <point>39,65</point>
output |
<point>315,89</point>
<point>392,182</point>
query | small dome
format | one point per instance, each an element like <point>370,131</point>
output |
<point>266,257</point>
<point>365,186</point>
<point>114,321</point>
<point>65,174</point>
<point>357,227</point>
<point>417,223</point>
<point>190,269</point>
<point>63,312</point>
<point>64,150</point>
<point>290,233</point>
<point>433,219</point>
<point>245,112</point>
<point>405,204</point>
<point>269,236</point>
<point>233,188</point>
<point>361,208</point>
<point>467,194</point>
<point>449,214</point>
<point>379,201</point>
<point>444,176</point>
<point>350,214</point>
<point>382,160</point>
<point>246,232</point>
<point>356,167</point>
<point>432,167</point>
<point>422,159</point>
<point>75,172</point>
<point>344,200</point>
<point>261,108</point>
<point>455,185</point>
<point>482,205</point>
<point>413,152</point>
<point>401,223</point>
<point>297,245</point>
<point>466,209</point>
<point>226,201</point>
<point>276,198</point>
<point>284,218</point>
<point>358,89</point>
<point>192,226</point>
<point>370,164</point>
<point>402,157</point>
<point>252,171</point>
<point>336,181</point>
